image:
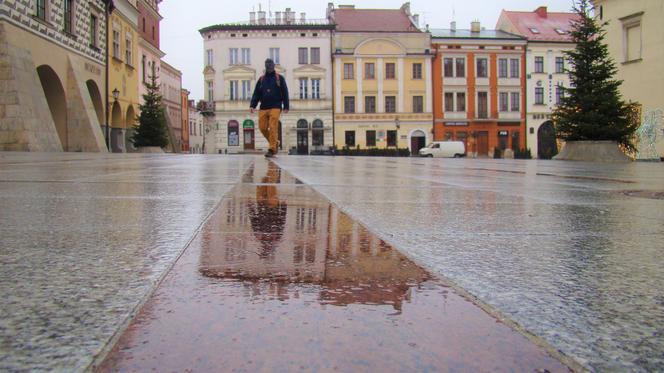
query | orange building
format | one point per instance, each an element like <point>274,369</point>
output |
<point>479,89</point>
<point>184,98</point>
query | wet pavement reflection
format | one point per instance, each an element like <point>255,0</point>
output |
<point>279,279</point>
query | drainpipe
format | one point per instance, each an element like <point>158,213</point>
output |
<point>109,6</point>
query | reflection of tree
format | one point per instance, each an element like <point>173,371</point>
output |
<point>268,213</point>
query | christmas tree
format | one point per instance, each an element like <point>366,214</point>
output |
<point>151,129</point>
<point>592,109</point>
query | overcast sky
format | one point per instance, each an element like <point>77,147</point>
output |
<point>182,20</point>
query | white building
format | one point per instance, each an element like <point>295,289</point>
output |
<point>197,134</point>
<point>546,65</point>
<point>234,61</point>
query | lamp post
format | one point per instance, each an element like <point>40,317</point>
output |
<point>116,94</point>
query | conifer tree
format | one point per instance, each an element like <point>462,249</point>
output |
<point>593,108</point>
<point>151,129</point>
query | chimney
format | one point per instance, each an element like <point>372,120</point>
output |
<point>303,18</point>
<point>252,18</point>
<point>346,6</point>
<point>542,12</point>
<point>289,16</point>
<point>416,20</point>
<point>475,26</point>
<point>330,9</point>
<point>453,26</point>
<point>406,8</point>
<point>261,17</point>
<point>277,17</point>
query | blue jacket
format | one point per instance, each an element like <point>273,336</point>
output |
<point>269,94</point>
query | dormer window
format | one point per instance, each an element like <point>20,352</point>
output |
<point>534,30</point>
<point>560,31</point>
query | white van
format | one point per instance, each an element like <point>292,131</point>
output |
<point>444,149</point>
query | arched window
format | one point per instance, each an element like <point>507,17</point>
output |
<point>302,125</point>
<point>233,133</point>
<point>317,133</point>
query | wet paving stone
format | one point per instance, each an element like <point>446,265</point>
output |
<point>279,279</point>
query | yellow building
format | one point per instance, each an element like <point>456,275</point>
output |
<point>635,36</point>
<point>122,73</point>
<point>382,79</point>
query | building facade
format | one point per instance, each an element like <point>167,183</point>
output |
<point>171,91</point>
<point>546,67</point>
<point>197,133</point>
<point>234,61</point>
<point>184,118</point>
<point>122,73</point>
<point>53,75</point>
<point>479,89</point>
<point>382,79</point>
<point>635,36</point>
<point>148,47</point>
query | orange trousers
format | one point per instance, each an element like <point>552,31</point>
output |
<point>268,123</point>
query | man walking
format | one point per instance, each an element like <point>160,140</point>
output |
<point>272,93</point>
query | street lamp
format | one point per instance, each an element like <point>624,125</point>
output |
<point>397,122</point>
<point>116,93</point>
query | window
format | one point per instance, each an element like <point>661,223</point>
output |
<point>143,24</point>
<point>143,68</point>
<point>274,55</point>
<point>209,57</point>
<point>482,68</point>
<point>448,67</point>
<point>246,89</point>
<point>349,104</point>
<point>560,65</point>
<point>390,104</point>
<point>234,94</point>
<point>303,88</point>
<point>68,16</point>
<point>369,71</point>
<point>514,101</point>
<point>449,101</point>
<point>539,96</point>
<point>559,95</point>
<point>302,56</point>
<point>233,54</point>
<point>210,90</point>
<point>461,101</point>
<point>391,138</point>
<point>116,44</point>
<point>417,71</point>
<point>317,134</point>
<point>348,71</point>
<point>502,68</point>
<point>371,138</point>
<point>534,30</point>
<point>350,138</point>
<point>390,72</point>
<point>93,31</point>
<point>129,60</point>
<point>539,64</point>
<point>233,133</point>
<point>502,101</point>
<point>418,104</point>
<point>315,56</point>
<point>369,104</point>
<point>153,33</point>
<point>460,67</point>
<point>632,40</point>
<point>41,9</point>
<point>514,68</point>
<point>482,105</point>
<point>246,56</point>
<point>315,89</point>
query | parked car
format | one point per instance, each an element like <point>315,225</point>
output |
<point>444,149</point>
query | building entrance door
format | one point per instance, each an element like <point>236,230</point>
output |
<point>302,137</point>
<point>249,137</point>
<point>546,141</point>
<point>417,142</point>
<point>482,144</point>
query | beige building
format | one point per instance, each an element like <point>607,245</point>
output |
<point>171,90</point>
<point>234,61</point>
<point>52,75</point>
<point>197,130</point>
<point>635,35</point>
<point>382,79</point>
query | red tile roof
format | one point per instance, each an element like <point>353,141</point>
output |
<point>541,25</point>
<point>363,20</point>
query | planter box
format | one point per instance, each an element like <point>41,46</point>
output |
<point>592,151</point>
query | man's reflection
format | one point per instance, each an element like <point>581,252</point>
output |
<point>268,213</point>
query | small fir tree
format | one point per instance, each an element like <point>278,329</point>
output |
<point>151,129</point>
<point>592,108</point>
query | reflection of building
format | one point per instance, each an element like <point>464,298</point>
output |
<point>122,73</point>
<point>234,60</point>
<point>171,91</point>
<point>382,78</point>
<point>548,38</point>
<point>635,35</point>
<point>52,80</point>
<point>274,229</point>
<point>479,85</point>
